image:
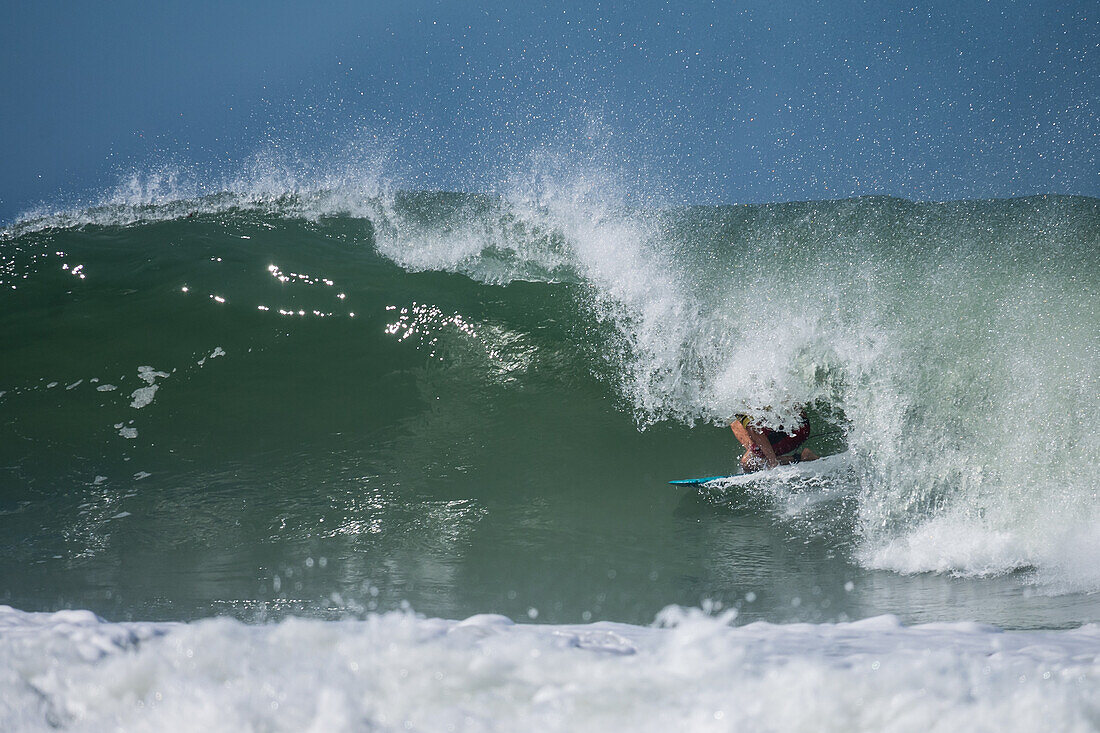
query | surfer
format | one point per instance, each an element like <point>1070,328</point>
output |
<point>766,448</point>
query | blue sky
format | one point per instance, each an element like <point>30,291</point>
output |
<point>705,101</point>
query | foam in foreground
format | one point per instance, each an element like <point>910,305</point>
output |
<point>396,671</point>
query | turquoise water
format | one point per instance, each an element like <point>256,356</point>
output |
<point>330,403</point>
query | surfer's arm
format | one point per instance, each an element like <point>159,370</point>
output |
<point>752,439</point>
<point>761,441</point>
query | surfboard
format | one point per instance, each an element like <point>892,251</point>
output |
<point>701,481</point>
<point>803,469</point>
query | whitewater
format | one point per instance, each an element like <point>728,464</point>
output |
<point>264,449</point>
<point>395,671</point>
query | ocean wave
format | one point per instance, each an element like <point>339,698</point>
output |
<point>953,344</point>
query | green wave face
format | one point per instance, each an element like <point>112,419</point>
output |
<point>471,403</point>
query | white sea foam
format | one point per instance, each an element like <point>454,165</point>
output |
<point>396,671</point>
<point>218,351</point>
<point>143,396</point>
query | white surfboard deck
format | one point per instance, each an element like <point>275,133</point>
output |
<point>794,471</point>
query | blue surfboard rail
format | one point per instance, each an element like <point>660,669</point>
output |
<point>697,481</point>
